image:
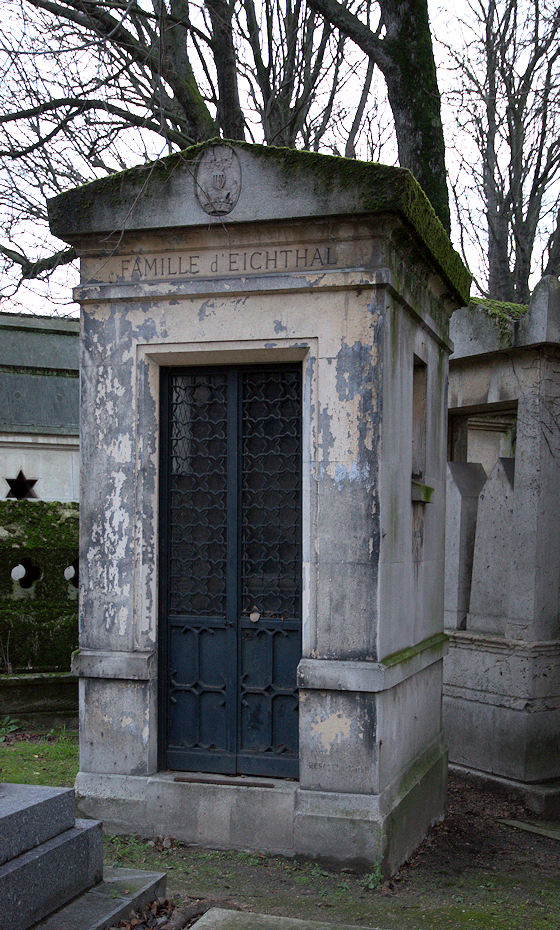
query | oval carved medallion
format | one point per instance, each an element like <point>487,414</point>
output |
<point>218,180</point>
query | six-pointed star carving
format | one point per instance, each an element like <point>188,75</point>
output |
<point>21,487</point>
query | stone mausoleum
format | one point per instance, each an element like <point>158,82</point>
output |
<point>264,356</point>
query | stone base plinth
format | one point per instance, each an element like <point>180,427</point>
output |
<point>501,706</point>
<point>541,798</point>
<point>272,815</point>
<point>36,882</point>
<point>31,815</point>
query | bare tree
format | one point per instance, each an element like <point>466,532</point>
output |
<point>507,104</point>
<point>287,51</point>
<point>94,86</point>
<point>400,45</point>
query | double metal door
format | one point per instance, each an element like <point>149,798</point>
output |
<point>230,569</point>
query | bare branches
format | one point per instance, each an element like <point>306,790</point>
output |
<point>507,101</point>
<point>94,86</point>
<point>351,26</point>
<point>34,269</point>
<point>230,114</point>
<point>292,69</point>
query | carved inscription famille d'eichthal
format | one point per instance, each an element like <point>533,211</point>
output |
<point>208,264</point>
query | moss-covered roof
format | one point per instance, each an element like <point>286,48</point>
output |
<point>337,186</point>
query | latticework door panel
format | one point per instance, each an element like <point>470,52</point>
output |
<point>231,569</point>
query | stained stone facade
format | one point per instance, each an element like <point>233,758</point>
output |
<point>205,280</point>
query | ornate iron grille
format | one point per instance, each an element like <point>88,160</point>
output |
<point>231,569</point>
<point>197,488</point>
<point>270,494</point>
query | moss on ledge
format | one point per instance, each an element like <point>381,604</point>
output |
<point>374,188</point>
<point>503,314</point>
<point>438,640</point>
<point>32,524</point>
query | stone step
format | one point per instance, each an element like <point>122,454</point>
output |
<point>31,815</point>
<point>42,879</point>
<point>121,892</point>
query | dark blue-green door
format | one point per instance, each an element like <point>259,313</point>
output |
<point>230,569</point>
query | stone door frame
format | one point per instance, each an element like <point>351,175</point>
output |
<point>150,359</point>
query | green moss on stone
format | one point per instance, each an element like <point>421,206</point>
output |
<point>37,636</point>
<point>380,189</point>
<point>35,523</point>
<point>503,314</point>
<point>404,655</point>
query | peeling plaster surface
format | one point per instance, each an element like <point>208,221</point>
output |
<point>332,730</point>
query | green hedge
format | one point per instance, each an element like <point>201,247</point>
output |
<point>39,624</point>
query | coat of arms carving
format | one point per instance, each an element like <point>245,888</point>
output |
<point>218,180</point>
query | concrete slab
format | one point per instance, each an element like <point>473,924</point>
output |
<point>121,892</point>
<point>218,918</point>
<point>551,830</point>
<point>31,815</point>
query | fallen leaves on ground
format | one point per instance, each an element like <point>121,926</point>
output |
<point>164,915</point>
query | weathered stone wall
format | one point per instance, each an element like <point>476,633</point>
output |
<point>501,680</point>
<point>38,612</point>
<point>40,699</point>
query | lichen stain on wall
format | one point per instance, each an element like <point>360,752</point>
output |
<point>108,389</point>
<point>120,449</point>
<point>145,542</point>
<point>207,308</point>
<point>146,727</point>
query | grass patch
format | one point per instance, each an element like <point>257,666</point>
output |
<point>419,898</point>
<point>472,873</point>
<point>40,758</point>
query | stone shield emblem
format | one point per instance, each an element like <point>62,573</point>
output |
<point>218,180</point>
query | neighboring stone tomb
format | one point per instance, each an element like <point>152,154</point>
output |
<point>502,674</point>
<point>39,406</point>
<point>264,361</point>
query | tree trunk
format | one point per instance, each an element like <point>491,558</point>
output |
<point>414,97</point>
<point>230,114</point>
<point>405,57</point>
